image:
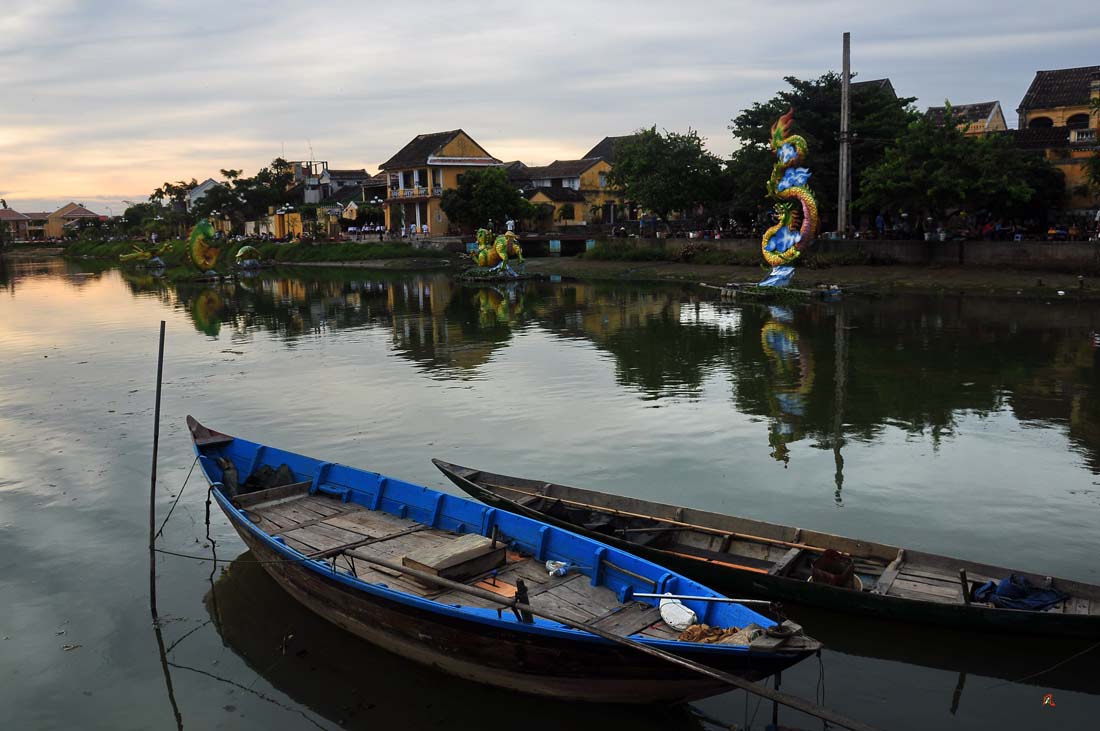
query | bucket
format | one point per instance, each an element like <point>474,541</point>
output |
<point>833,567</point>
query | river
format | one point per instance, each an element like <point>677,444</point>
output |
<point>960,426</point>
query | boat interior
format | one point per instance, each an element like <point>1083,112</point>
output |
<point>344,533</point>
<point>771,549</point>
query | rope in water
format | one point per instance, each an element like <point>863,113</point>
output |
<point>179,494</point>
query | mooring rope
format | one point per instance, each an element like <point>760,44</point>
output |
<point>179,494</point>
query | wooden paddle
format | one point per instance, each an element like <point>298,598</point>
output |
<point>791,701</point>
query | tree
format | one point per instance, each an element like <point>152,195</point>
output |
<point>665,172</point>
<point>877,119</point>
<point>936,170</point>
<point>482,196</point>
<point>567,213</point>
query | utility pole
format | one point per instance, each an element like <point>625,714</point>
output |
<point>845,187</point>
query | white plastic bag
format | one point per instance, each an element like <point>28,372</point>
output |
<point>676,615</point>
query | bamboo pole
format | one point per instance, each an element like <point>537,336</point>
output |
<point>153,538</point>
<point>798,704</point>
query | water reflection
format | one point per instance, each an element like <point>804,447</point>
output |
<point>358,686</point>
<point>916,364</point>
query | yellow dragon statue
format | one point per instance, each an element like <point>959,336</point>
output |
<point>495,255</point>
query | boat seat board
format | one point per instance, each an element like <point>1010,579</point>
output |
<point>461,558</point>
<point>628,619</point>
<point>784,564</point>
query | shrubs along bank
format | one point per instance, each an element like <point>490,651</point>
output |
<point>174,253</point>
<point>700,252</point>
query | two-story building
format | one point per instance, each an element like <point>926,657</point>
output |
<point>1056,118</point>
<point>66,218</point>
<point>978,119</point>
<point>578,189</point>
<point>14,224</point>
<point>420,171</point>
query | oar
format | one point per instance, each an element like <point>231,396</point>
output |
<point>682,597</point>
<point>791,701</point>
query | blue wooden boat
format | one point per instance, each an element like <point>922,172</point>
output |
<point>319,528</point>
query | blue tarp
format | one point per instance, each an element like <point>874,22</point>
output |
<point>1016,592</point>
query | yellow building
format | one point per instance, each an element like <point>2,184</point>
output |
<point>69,216</point>
<point>419,173</point>
<point>978,119</point>
<point>579,186</point>
<point>1056,118</point>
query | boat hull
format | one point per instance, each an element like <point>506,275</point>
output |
<point>578,671</point>
<point>748,584</point>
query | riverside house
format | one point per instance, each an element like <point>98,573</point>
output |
<point>14,224</point>
<point>1057,121</point>
<point>420,171</point>
<point>978,119</point>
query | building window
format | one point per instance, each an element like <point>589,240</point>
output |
<point>437,178</point>
<point>1040,123</point>
<point>603,180</point>
<point>1078,121</point>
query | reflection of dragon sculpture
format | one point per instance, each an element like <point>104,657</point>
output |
<point>201,244</point>
<point>785,241</point>
<point>792,380</point>
<point>496,254</point>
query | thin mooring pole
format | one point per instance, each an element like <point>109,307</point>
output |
<point>152,539</point>
<point>844,189</point>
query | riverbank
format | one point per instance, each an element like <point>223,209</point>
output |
<point>882,279</point>
<point>878,280</point>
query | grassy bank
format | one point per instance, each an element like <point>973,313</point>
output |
<point>175,253</point>
<point>702,253</point>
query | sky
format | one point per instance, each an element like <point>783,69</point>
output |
<point>103,101</point>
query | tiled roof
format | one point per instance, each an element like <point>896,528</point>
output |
<point>605,148</point>
<point>80,212</point>
<point>348,174</point>
<point>38,215</point>
<point>964,112</point>
<point>421,148</point>
<point>377,181</point>
<point>560,169</point>
<point>1041,138</point>
<point>7,214</point>
<point>883,84</point>
<point>558,195</point>
<point>1060,88</point>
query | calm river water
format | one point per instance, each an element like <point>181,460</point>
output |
<point>955,425</point>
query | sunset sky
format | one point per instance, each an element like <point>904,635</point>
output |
<point>104,101</point>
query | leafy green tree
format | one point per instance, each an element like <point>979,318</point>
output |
<point>877,119</point>
<point>484,195</point>
<point>665,172</point>
<point>935,169</point>
<point>567,212</point>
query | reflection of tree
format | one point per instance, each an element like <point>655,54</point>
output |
<point>654,351</point>
<point>827,374</point>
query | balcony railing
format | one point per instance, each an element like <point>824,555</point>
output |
<point>418,192</point>
<point>1084,135</point>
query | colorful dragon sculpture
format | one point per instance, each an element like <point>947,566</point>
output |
<point>786,240</point>
<point>202,246</point>
<point>496,254</point>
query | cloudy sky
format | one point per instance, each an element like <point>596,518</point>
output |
<point>105,100</point>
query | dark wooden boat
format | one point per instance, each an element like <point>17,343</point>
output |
<point>360,687</point>
<point>751,558</point>
<point>321,534</point>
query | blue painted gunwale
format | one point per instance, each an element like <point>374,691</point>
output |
<point>451,512</point>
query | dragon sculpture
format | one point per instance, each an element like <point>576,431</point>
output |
<point>495,254</point>
<point>202,246</point>
<point>795,207</point>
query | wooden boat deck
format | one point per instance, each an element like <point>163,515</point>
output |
<point>766,548</point>
<point>322,527</point>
